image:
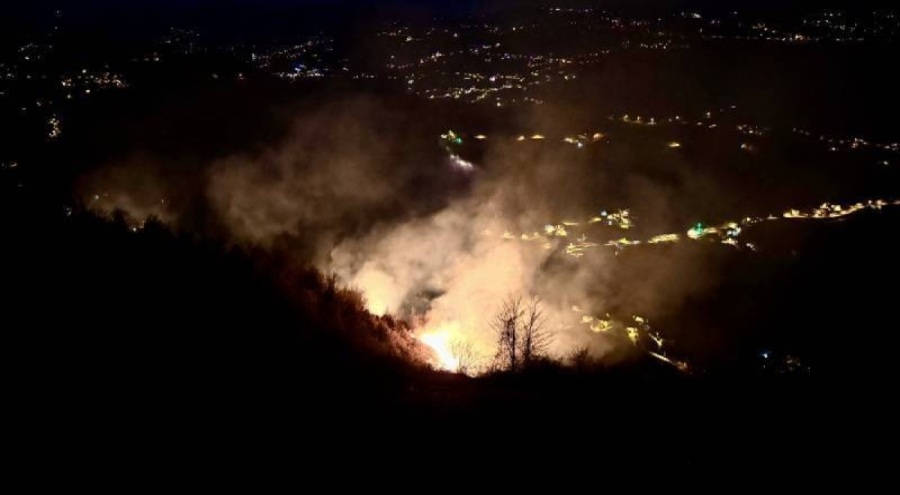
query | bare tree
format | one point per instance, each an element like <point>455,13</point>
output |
<point>535,340</point>
<point>504,326</point>
<point>465,355</point>
<point>521,333</point>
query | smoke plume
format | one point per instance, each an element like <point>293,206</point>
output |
<point>367,193</point>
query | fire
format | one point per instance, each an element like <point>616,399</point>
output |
<point>440,342</point>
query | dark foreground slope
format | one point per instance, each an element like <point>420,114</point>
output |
<point>131,347</point>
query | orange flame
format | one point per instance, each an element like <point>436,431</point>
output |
<point>439,341</point>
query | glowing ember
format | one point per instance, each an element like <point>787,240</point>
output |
<point>461,164</point>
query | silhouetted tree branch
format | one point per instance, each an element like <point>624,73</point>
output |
<point>521,333</point>
<point>465,354</point>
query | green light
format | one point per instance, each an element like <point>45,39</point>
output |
<point>458,140</point>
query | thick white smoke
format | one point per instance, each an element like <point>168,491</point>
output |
<point>350,191</point>
<point>453,259</point>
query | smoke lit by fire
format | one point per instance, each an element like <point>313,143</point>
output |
<point>446,254</point>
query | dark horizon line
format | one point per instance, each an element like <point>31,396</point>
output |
<point>106,7</point>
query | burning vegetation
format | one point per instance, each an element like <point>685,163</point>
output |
<point>447,249</point>
<point>445,234</point>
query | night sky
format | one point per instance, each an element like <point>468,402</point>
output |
<point>438,7</point>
